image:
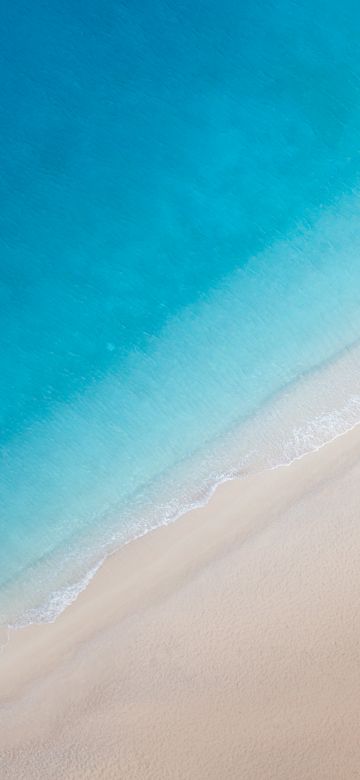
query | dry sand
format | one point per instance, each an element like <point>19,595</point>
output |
<point>224,646</point>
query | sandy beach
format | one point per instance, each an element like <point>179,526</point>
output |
<point>226,645</point>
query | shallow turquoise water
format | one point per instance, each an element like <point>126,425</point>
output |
<point>179,242</point>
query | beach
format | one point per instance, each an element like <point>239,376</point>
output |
<point>179,390</point>
<point>225,645</point>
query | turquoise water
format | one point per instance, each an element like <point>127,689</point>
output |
<point>179,244</point>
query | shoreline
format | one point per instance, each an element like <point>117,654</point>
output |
<point>323,425</point>
<point>259,587</point>
<point>216,521</point>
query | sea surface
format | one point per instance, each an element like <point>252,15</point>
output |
<point>179,264</point>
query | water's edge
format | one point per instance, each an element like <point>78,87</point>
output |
<point>298,441</point>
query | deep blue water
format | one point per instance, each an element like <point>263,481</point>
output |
<point>179,240</point>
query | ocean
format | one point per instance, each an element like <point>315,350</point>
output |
<point>179,265</point>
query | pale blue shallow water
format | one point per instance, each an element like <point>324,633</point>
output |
<point>179,242</point>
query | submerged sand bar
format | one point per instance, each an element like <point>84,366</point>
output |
<point>226,645</point>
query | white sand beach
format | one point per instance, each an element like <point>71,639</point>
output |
<point>226,645</point>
